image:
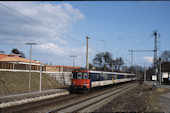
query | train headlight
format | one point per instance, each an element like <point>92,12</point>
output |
<point>73,82</point>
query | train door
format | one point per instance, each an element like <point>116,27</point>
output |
<point>116,79</point>
<point>124,78</point>
<point>112,79</point>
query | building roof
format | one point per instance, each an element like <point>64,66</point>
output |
<point>3,55</point>
<point>68,67</point>
<point>15,58</point>
<point>62,66</point>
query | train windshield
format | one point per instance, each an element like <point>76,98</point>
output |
<point>79,75</point>
<point>86,76</point>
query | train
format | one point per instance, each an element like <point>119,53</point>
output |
<point>86,79</point>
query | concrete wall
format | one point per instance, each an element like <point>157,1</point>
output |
<point>62,77</point>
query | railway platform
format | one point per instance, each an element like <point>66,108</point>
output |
<point>18,99</point>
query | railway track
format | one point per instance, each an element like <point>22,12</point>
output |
<point>37,105</point>
<point>58,104</point>
<point>93,103</point>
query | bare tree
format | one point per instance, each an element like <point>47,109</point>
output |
<point>107,57</point>
<point>102,61</point>
<point>166,56</point>
<point>118,62</point>
<point>97,61</point>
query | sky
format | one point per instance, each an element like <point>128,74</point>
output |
<point>60,28</point>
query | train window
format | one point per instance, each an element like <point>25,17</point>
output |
<point>102,77</point>
<point>85,76</point>
<point>94,76</point>
<point>110,77</point>
<point>74,75</point>
<point>120,76</point>
<point>106,76</point>
<point>128,76</point>
<point>79,75</point>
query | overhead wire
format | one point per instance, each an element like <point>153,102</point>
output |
<point>49,6</point>
<point>22,21</point>
<point>47,25</point>
<point>41,23</point>
<point>14,35</point>
<point>141,43</point>
<point>80,43</point>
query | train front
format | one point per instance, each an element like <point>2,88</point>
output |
<point>80,81</point>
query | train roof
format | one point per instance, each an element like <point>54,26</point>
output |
<point>94,71</point>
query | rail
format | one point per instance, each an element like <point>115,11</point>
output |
<point>88,105</point>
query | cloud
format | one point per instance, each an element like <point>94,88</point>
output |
<point>47,22</point>
<point>44,23</point>
<point>148,58</point>
<point>55,49</point>
<point>60,55</point>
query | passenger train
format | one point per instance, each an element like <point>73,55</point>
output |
<point>84,79</point>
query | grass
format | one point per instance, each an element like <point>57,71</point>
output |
<point>17,82</point>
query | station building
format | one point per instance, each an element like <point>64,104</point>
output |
<point>15,62</point>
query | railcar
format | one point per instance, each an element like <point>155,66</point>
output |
<point>84,80</point>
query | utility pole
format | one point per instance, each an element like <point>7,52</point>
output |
<point>160,61</point>
<point>137,51</point>
<point>131,59</point>
<point>112,66</point>
<point>155,58</point>
<point>160,76</point>
<point>30,64</point>
<point>144,73</point>
<point>40,77</point>
<point>73,60</point>
<point>87,62</point>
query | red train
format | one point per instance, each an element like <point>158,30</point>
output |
<point>84,80</point>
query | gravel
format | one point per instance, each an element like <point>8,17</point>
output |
<point>140,99</point>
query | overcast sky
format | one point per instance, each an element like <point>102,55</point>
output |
<point>59,29</point>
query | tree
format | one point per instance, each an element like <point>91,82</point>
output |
<point>165,61</point>
<point>118,62</point>
<point>15,51</point>
<point>97,61</point>
<point>2,51</point>
<point>166,56</point>
<point>149,73</point>
<point>107,57</point>
<point>91,66</point>
<point>20,53</point>
<point>125,69</point>
<point>102,61</point>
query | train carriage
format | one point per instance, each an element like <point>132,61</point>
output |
<point>88,79</point>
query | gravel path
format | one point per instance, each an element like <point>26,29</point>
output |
<point>165,102</point>
<point>140,99</point>
<point>131,101</point>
